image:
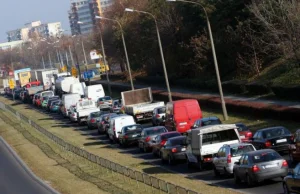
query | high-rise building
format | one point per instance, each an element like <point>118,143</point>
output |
<point>43,30</point>
<point>83,12</point>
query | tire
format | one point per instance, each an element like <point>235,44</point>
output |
<point>216,172</point>
<point>89,127</point>
<point>249,181</point>
<point>237,180</point>
<point>141,149</point>
<point>145,149</point>
<point>285,189</point>
<point>189,164</point>
<point>200,166</point>
<point>163,161</point>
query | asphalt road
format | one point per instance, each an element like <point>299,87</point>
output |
<point>15,177</point>
<point>267,187</point>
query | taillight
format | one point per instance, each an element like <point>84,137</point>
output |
<point>157,116</point>
<point>73,115</point>
<point>93,120</point>
<point>207,159</point>
<point>255,168</point>
<point>162,143</point>
<point>268,144</point>
<point>284,164</point>
<point>147,139</point>
<point>174,150</point>
<point>229,159</point>
<point>126,136</point>
<point>249,134</point>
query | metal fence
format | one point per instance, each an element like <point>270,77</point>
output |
<point>117,168</point>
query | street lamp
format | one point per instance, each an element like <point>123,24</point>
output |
<point>104,60</point>
<point>160,48</point>
<point>214,55</point>
<point>124,44</point>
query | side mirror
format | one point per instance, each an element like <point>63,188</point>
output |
<point>237,163</point>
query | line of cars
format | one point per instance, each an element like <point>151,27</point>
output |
<point>229,149</point>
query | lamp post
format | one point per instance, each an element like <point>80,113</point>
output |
<point>160,48</point>
<point>76,56</point>
<point>214,55</point>
<point>124,44</point>
<point>84,54</point>
<point>104,60</point>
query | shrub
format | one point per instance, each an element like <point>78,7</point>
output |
<point>290,92</point>
<point>234,86</point>
<point>258,88</point>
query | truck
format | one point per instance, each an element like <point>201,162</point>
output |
<point>84,107</point>
<point>63,84</point>
<point>139,103</point>
<point>24,78</point>
<point>45,76</point>
<point>31,91</point>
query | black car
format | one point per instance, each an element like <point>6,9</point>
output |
<point>206,121</point>
<point>174,150</point>
<point>50,100</point>
<point>291,183</point>
<point>276,138</point>
<point>130,134</point>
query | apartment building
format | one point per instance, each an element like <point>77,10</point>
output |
<point>83,12</point>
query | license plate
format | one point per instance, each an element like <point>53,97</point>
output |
<point>139,117</point>
<point>183,149</point>
<point>271,166</point>
<point>242,136</point>
<point>281,140</point>
<point>134,135</point>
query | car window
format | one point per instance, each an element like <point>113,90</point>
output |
<point>169,135</point>
<point>95,114</point>
<point>104,98</point>
<point>211,122</point>
<point>239,150</point>
<point>178,141</point>
<point>219,137</point>
<point>161,110</point>
<point>155,131</point>
<point>241,127</point>
<point>265,157</point>
<point>171,143</point>
<point>275,132</point>
<point>245,160</point>
<point>132,128</point>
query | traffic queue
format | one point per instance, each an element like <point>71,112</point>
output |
<point>179,131</point>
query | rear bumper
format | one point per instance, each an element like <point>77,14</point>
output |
<point>281,148</point>
<point>93,125</point>
<point>270,175</point>
<point>179,156</point>
<point>73,119</point>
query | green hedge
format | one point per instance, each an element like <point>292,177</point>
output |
<point>234,86</point>
<point>258,88</point>
<point>287,92</point>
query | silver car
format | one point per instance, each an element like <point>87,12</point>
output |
<point>257,166</point>
<point>73,114</point>
<point>158,116</point>
<point>104,102</point>
<point>227,155</point>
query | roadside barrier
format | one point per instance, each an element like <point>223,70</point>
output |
<point>144,178</point>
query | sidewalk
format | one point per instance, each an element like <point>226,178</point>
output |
<point>289,110</point>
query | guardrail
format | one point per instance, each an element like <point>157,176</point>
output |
<point>117,168</point>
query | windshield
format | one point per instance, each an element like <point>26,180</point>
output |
<point>265,157</point>
<point>105,98</point>
<point>169,135</point>
<point>132,128</point>
<point>211,122</point>
<point>219,137</point>
<point>178,141</point>
<point>161,110</point>
<point>275,132</point>
<point>239,150</point>
<point>155,131</point>
<point>95,114</point>
<point>47,93</point>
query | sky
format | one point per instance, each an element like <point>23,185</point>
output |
<point>14,14</point>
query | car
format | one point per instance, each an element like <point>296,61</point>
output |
<point>45,102</point>
<point>260,165</point>
<point>38,101</point>
<point>173,150</point>
<point>245,133</point>
<point>227,155</point>
<point>147,135</point>
<point>103,122</point>
<point>73,114</point>
<point>117,104</point>
<point>130,135</point>
<point>277,138</point>
<point>291,183</point>
<point>206,121</point>
<point>92,119</point>
<point>53,98</point>
<point>105,101</point>
<point>159,141</point>
<point>116,124</point>
<point>35,97</point>
<point>294,148</point>
<point>158,116</point>
<point>55,106</point>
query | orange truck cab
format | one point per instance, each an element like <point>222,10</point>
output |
<point>181,115</point>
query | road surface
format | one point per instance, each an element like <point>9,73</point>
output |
<point>15,177</point>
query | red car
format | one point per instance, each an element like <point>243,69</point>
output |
<point>245,133</point>
<point>160,141</point>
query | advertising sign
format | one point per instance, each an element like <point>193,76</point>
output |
<point>95,55</point>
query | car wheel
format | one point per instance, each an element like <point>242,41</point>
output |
<point>141,148</point>
<point>200,165</point>
<point>285,189</point>
<point>163,161</point>
<point>189,164</point>
<point>145,148</point>
<point>249,181</point>
<point>170,160</point>
<point>237,180</point>
<point>88,126</point>
<point>216,172</point>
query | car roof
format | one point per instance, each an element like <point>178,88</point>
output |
<point>269,128</point>
<point>215,128</point>
<point>178,137</point>
<point>169,132</point>
<point>133,125</point>
<point>260,151</point>
<point>237,144</point>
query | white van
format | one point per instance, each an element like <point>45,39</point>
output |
<point>206,141</point>
<point>67,101</point>
<point>94,92</point>
<point>77,88</point>
<point>116,125</point>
